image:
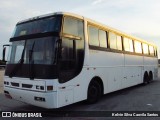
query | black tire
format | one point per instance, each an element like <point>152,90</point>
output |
<point>150,76</point>
<point>145,79</point>
<point>94,92</point>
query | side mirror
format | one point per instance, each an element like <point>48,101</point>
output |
<point>4,52</point>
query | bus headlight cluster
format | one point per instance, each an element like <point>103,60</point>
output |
<point>49,88</point>
<point>39,87</point>
<point>6,83</point>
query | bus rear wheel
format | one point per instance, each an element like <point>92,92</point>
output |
<point>145,79</point>
<point>94,92</point>
<point>150,76</point>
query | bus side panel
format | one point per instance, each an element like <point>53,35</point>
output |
<point>155,72</point>
<point>109,67</point>
<point>151,64</point>
<point>133,70</point>
<point>74,90</point>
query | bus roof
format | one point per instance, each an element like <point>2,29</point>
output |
<point>90,21</point>
<point>51,14</point>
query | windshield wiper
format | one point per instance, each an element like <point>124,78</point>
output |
<point>31,62</point>
<point>18,65</point>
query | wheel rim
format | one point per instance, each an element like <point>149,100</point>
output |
<point>146,79</point>
<point>94,92</point>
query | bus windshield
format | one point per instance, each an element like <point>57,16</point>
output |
<point>51,24</point>
<point>43,51</point>
<point>33,52</point>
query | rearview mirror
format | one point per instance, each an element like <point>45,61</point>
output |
<point>4,52</point>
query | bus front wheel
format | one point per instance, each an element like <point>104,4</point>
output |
<point>94,92</point>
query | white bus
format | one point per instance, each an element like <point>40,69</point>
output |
<point>62,58</point>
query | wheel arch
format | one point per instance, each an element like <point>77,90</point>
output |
<point>99,80</point>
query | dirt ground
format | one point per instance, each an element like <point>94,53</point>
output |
<point>1,80</point>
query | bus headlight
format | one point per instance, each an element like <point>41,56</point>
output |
<point>39,87</point>
<point>6,83</point>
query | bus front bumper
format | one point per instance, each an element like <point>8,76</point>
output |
<point>41,99</point>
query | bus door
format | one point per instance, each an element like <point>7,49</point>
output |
<point>67,61</point>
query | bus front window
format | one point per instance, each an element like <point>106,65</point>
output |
<point>34,48</point>
<point>51,24</point>
<point>16,51</point>
<point>43,51</point>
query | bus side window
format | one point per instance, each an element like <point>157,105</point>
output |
<point>119,42</point>
<point>128,44</point>
<point>113,40</point>
<point>138,47</point>
<point>151,50</point>
<point>93,36</point>
<point>103,38</point>
<point>73,26</point>
<point>145,49</point>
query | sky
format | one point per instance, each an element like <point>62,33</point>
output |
<point>140,18</point>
